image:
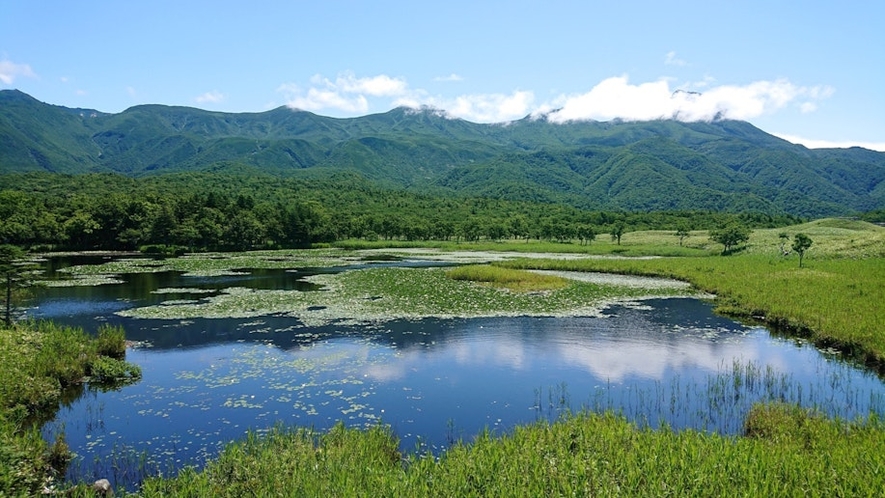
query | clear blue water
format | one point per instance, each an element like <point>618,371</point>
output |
<point>207,382</point>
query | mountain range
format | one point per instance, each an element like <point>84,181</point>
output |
<point>722,165</point>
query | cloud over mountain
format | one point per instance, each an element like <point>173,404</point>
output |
<point>612,98</point>
<point>617,98</point>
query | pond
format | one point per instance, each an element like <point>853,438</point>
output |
<point>434,380</point>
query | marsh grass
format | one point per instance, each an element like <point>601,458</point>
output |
<point>787,451</point>
<point>111,341</point>
<point>38,360</point>
<point>514,280</point>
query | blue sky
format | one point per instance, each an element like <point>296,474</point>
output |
<point>812,72</point>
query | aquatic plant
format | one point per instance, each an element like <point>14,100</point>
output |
<point>111,341</point>
<point>380,294</point>
<point>515,280</point>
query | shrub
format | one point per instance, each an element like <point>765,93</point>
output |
<point>111,341</point>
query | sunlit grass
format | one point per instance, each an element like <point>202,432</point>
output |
<point>657,245</point>
<point>787,451</point>
<point>514,280</point>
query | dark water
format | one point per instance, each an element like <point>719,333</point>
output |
<point>206,382</point>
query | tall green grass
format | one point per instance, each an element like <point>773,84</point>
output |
<point>787,451</point>
<point>38,361</point>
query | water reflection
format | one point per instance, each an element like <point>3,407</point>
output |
<point>207,382</point>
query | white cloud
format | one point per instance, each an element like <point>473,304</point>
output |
<point>807,107</point>
<point>376,86</point>
<point>488,108</point>
<point>451,77</point>
<point>352,94</point>
<point>347,93</point>
<point>212,97</point>
<point>9,71</point>
<point>830,144</point>
<point>316,99</point>
<point>131,91</point>
<point>617,98</point>
<point>671,60</point>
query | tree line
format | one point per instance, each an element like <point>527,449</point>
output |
<point>231,211</point>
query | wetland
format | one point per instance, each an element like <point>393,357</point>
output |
<point>235,343</point>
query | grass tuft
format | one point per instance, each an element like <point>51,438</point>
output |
<point>508,278</point>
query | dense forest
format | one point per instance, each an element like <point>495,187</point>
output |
<point>239,208</point>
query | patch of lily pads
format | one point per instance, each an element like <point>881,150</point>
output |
<point>86,280</point>
<point>215,264</point>
<point>382,294</point>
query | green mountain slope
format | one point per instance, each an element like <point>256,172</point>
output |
<point>721,165</point>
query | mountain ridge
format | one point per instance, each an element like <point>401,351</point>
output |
<point>648,165</point>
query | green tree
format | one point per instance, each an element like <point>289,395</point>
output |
<point>801,243</point>
<point>470,229</point>
<point>617,231</point>
<point>14,273</point>
<point>682,232</point>
<point>244,232</point>
<point>730,236</point>
<point>586,233</point>
<point>519,227</point>
<point>79,229</point>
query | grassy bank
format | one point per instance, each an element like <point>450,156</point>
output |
<point>664,244</point>
<point>834,302</point>
<point>39,362</point>
<point>785,451</point>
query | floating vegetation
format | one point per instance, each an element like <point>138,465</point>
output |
<point>182,290</point>
<point>84,281</point>
<point>216,264</point>
<point>381,294</point>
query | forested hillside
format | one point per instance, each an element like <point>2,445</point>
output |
<point>635,166</point>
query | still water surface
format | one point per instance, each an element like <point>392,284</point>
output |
<point>207,381</point>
